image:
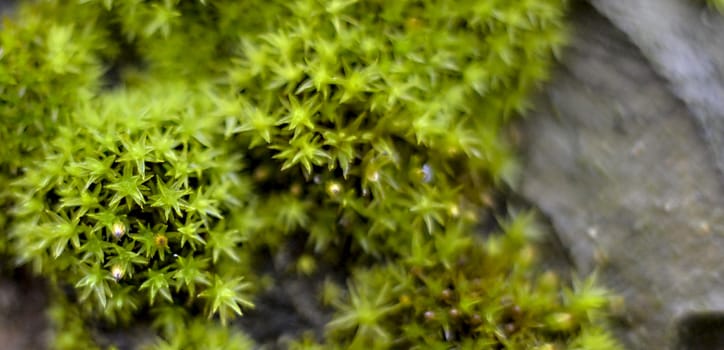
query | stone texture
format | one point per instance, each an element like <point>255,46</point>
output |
<point>619,165</point>
<point>684,41</point>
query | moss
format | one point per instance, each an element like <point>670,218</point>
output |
<point>200,334</point>
<point>716,4</point>
<point>168,145</point>
<point>469,294</point>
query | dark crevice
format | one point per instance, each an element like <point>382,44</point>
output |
<point>127,58</point>
<point>701,331</point>
<point>293,299</point>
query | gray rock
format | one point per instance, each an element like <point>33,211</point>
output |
<point>619,165</point>
<point>684,41</point>
<point>23,324</point>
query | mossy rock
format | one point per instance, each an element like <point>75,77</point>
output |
<point>172,146</point>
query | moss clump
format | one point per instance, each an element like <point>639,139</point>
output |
<point>717,4</point>
<point>171,144</point>
<point>45,69</point>
<point>460,292</point>
<point>136,196</point>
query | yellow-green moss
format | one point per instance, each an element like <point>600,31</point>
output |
<point>166,143</point>
<point>717,4</point>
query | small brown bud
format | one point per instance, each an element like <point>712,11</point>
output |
<point>261,173</point>
<point>296,189</point>
<point>516,311</point>
<point>160,241</point>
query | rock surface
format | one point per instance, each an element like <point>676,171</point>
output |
<point>684,42</point>
<point>623,171</point>
<point>23,323</point>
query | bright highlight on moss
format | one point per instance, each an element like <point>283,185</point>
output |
<point>158,149</point>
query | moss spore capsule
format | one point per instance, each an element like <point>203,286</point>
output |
<point>429,315</point>
<point>446,294</point>
<point>334,189</point>
<point>510,328</point>
<point>160,240</point>
<point>117,272</point>
<point>118,229</point>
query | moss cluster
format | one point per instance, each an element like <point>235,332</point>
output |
<point>157,149</point>
<point>717,4</point>
<point>140,189</point>
<point>467,295</point>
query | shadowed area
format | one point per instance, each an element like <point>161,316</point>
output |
<point>23,323</point>
<point>705,331</point>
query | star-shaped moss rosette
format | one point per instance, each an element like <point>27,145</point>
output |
<point>389,109</point>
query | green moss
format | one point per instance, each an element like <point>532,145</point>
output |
<point>198,333</point>
<point>134,194</point>
<point>169,145</point>
<point>486,296</point>
<point>717,4</point>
